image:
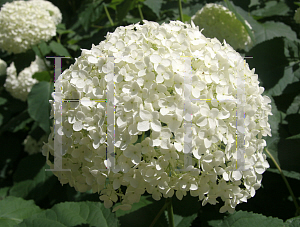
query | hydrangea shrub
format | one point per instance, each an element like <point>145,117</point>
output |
<point>148,73</point>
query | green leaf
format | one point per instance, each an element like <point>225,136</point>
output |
<point>144,201</point>
<point>290,174</point>
<point>42,76</point>
<point>90,13</point>
<point>181,221</point>
<point>272,8</point>
<point>23,60</point>
<point>13,210</point>
<point>271,29</point>
<point>294,137</point>
<point>154,5</point>
<point>38,104</point>
<point>123,9</point>
<point>2,101</point>
<point>3,192</point>
<point>232,8</point>
<point>59,49</point>
<point>294,107</point>
<point>72,214</point>
<point>36,188</point>
<point>42,49</point>
<point>297,3</point>
<point>253,3</point>
<point>249,219</point>
<point>292,222</point>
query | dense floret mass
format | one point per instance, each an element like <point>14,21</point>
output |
<point>148,66</point>
<point>24,24</point>
<point>20,85</point>
<point>218,21</point>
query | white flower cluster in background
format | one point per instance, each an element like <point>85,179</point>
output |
<point>20,85</point>
<point>3,66</point>
<point>31,146</point>
<point>149,75</point>
<point>220,22</point>
<point>297,16</point>
<point>24,24</point>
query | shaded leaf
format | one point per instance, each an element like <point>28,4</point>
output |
<point>181,221</point>
<point>36,188</point>
<point>272,8</point>
<point>73,213</point>
<point>292,222</point>
<point>123,9</point>
<point>13,210</point>
<point>249,219</point>
<point>38,104</point>
<point>290,174</point>
<point>154,5</point>
<point>42,50</point>
<point>271,29</point>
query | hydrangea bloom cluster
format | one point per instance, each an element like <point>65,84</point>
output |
<point>149,120</point>
<point>31,146</point>
<point>297,16</point>
<point>220,22</point>
<point>24,24</point>
<point>3,66</point>
<point>20,85</point>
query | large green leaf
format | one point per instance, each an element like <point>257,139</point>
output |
<point>72,214</point>
<point>38,104</point>
<point>154,5</point>
<point>91,12</point>
<point>249,219</point>
<point>272,8</point>
<point>271,29</point>
<point>181,221</point>
<point>13,210</point>
<point>59,49</point>
<point>42,76</point>
<point>42,49</point>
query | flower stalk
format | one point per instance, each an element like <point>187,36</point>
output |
<point>286,183</point>
<point>140,11</point>
<point>170,212</point>
<point>108,15</point>
<point>180,10</point>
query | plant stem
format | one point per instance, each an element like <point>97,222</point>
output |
<point>20,117</point>
<point>180,10</point>
<point>108,15</point>
<point>170,212</point>
<point>143,136</point>
<point>286,183</point>
<point>140,11</point>
<point>158,215</point>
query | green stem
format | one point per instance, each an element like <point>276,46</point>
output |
<point>108,15</point>
<point>170,212</point>
<point>286,183</point>
<point>180,10</point>
<point>43,58</point>
<point>143,136</point>
<point>158,215</point>
<point>140,11</point>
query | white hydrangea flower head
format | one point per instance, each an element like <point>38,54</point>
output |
<point>31,146</point>
<point>149,77</point>
<point>3,67</point>
<point>24,24</point>
<point>52,9</point>
<point>20,85</point>
<point>218,21</point>
<point>297,16</point>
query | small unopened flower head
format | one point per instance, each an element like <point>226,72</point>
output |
<point>20,85</point>
<point>148,64</point>
<point>297,16</point>
<point>31,146</point>
<point>24,24</point>
<point>218,21</point>
<point>3,67</point>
